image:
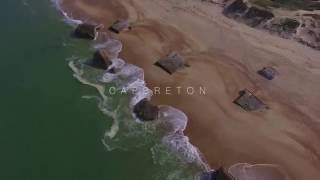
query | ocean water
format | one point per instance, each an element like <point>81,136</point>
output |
<point>56,122</point>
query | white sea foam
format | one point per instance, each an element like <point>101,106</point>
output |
<point>245,171</point>
<point>172,119</point>
<point>124,75</point>
<point>69,20</point>
<point>111,133</point>
<point>78,75</point>
<point>127,77</point>
<point>131,78</point>
<point>113,46</point>
<point>181,146</point>
<point>117,64</point>
<point>102,103</point>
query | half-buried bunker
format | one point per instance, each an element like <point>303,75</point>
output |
<point>146,111</point>
<point>120,25</point>
<point>219,174</point>
<point>101,59</point>
<point>268,73</point>
<point>249,102</point>
<point>87,31</point>
<point>172,63</point>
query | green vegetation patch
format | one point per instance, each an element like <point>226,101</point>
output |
<point>288,4</point>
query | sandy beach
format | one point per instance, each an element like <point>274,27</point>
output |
<point>224,57</point>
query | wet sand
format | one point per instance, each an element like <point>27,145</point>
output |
<point>224,56</point>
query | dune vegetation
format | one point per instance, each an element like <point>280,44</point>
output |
<point>288,4</point>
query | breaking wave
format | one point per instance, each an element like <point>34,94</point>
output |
<point>130,78</point>
<point>170,147</point>
<point>67,18</point>
<point>245,171</point>
<point>113,46</point>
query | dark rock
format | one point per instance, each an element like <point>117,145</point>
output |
<point>235,8</point>
<point>313,6</point>
<point>219,174</point>
<point>283,26</point>
<point>314,16</point>
<point>249,102</point>
<point>87,31</point>
<point>291,5</point>
<point>290,25</point>
<point>101,59</point>
<point>302,27</point>
<point>255,16</point>
<point>250,15</point>
<point>268,72</point>
<point>120,25</point>
<point>172,62</point>
<point>146,111</point>
<point>112,70</point>
<point>309,33</point>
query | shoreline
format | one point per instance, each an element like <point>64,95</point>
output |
<point>171,119</point>
<point>188,46</point>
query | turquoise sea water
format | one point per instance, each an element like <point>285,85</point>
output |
<point>50,125</point>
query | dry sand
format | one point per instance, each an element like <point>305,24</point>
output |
<point>224,57</point>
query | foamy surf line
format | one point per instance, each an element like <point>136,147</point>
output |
<point>245,171</point>
<point>67,18</point>
<point>174,121</point>
<point>132,77</point>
